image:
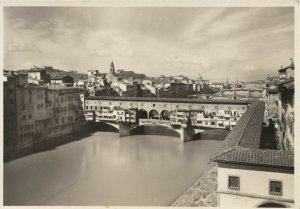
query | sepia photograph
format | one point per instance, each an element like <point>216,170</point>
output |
<point>149,106</point>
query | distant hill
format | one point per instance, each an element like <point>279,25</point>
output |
<point>55,72</point>
<point>124,73</point>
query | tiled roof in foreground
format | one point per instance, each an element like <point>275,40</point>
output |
<point>278,158</point>
<point>242,144</point>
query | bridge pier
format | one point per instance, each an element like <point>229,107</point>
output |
<point>187,132</point>
<point>125,129</point>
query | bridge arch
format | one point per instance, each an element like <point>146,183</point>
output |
<point>165,115</point>
<point>269,204</point>
<point>143,114</point>
<point>154,114</point>
<point>106,127</point>
<point>157,129</point>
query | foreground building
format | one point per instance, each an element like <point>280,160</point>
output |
<point>249,176</point>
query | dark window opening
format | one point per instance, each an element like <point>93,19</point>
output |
<point>234,183</point>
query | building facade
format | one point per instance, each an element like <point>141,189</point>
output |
<point>36,113</point>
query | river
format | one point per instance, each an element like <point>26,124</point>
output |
<point>103,169</point>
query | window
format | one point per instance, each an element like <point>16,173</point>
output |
<point>153,105</point>
<point>276,188</point>
<point>24,117</point>
<point>234,183</point>
<point>29,116</point>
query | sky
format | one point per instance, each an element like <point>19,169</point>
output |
<point>218,43</point>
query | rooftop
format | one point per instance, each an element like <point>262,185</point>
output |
<point>177,100</point>
<point>59,77</point>
<point>242,144</point>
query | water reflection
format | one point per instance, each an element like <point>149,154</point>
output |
<point>103,169</point>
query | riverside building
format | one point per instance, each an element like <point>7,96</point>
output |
<point>33,113</point>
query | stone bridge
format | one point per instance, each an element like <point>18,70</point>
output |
<point>186,131</point>
<point>184,116</point>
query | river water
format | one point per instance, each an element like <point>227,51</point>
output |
<point>103,169</point>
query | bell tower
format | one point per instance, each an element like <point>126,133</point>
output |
<point>112,68</point>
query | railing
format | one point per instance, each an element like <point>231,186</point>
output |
<point>155,121</point>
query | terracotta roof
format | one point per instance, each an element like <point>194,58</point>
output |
<point>263,157</point>
<point>284,81</point>
<point>291,66</point>
<point>242,144</point>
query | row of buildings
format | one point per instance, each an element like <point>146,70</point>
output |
<point>34,113</point>
<point>279,101</point>
<point>119,83</point>
<point>129,84</point>
<point>116,83</point>
<point>45,76</point>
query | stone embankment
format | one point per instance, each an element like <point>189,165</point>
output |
<point>202,194</point>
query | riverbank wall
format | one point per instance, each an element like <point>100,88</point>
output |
<point>202,194</point>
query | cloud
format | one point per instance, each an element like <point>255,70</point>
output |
<point>22,47</point>
<point>216,42</point>
<point>200,62</point>
<point>109,52</point>
<point>250,69</point>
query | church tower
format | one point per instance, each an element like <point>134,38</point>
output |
<point>112,68</point>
